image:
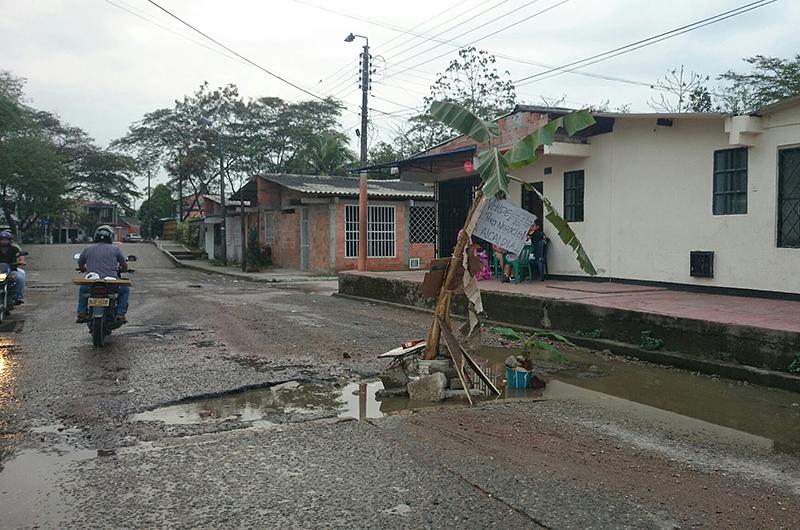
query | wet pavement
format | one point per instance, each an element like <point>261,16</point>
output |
<point>227,403</point>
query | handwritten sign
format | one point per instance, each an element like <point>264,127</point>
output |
<point>504,225</point>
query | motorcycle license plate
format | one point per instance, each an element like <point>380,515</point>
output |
<point>99,302</point>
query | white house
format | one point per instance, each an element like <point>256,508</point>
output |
<point>694,199</point>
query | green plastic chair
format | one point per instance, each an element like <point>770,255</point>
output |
<point>523,261</point>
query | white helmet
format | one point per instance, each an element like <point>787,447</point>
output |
<point>92,276</point>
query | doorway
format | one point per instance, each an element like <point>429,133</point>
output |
<point>454,200</point>
<point>531,201</point>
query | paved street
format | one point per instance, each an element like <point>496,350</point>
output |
<point>72,456</point>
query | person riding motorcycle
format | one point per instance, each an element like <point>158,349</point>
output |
<point>107,261</point>
<point>10,253</point>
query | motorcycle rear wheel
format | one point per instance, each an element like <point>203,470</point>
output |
<point>98,332</point>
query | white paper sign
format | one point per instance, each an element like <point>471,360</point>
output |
<point>504,225</point>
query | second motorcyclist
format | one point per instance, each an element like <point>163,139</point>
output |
<point>11,254</point>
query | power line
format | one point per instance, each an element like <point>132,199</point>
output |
<point>642,43</point>
<point>155,22</point>
<point>452,27</point>
<point>237,54</point>
<point>516,23</point>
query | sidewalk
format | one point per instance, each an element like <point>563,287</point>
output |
<point>271,275</point>
<point>782,315</point>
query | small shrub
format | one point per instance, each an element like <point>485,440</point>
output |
<point>794,367</point>
<point>648,342</point>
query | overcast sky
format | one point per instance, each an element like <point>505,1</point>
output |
<point>101,68</point>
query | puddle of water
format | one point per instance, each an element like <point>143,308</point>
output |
<point>771,414</point>
<point>761,411</point>
<point>356,400</point>
<point>29,492</point>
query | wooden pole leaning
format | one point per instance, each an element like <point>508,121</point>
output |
<point>445,297</point>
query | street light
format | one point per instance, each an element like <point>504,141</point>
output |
<point>362,184</point>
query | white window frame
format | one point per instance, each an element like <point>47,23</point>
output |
<point>269,228</point>
<point>381,231</point>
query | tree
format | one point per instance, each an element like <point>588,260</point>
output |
<point>472,81</point>
<point>44,162</point>
<point>677,88</point>
<point>159,206</point>
<point>383,153</point>
<point>326,154</point>
<point>31,182</point>
<point>770,79</point>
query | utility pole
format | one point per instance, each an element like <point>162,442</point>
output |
<point>363,208</point>
<point>243,228</point>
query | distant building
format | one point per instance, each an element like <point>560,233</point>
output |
<point>311,222</point>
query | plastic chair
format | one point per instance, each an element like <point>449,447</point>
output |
<point>523,260</point>
<point>495,264</point>
<point>539,259</point>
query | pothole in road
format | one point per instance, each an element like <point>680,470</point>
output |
<point>259,406</point>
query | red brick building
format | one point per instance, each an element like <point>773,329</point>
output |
<point>311,222</point>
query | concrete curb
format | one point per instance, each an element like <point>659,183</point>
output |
<point>738,372</point>
<point>241,276</point>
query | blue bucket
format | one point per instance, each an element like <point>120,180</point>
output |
<point>515,379</point>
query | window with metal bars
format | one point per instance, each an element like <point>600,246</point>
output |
<point>422,224</point>
<point>789,198</point>
<point>381,231</point>
<point>730,181</point>
<point>573,196</point>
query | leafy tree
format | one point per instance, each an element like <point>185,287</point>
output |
<point>770,79</point>
<point>44,162</point>
<point>216,130</point>
<point>677,88</point>
<point>31,181</point>
<point>326,154</point>
<point>700,100</point>
<point>384,153</point>
<point>158,206</point>
<point>472,81</point>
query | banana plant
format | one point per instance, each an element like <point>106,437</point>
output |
<point>494,167</point>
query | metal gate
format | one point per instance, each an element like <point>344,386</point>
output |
<point>304,239</point>
<point>454,200</point>
<point>789,198</point>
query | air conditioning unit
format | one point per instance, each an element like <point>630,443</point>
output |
<point>701,263</point>
<point>414,263</point>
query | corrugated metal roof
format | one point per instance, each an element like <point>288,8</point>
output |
<point>348,186</point>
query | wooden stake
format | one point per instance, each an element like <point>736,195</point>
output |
<point>445,296</point>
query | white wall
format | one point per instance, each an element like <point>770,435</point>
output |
<point>648,202</point>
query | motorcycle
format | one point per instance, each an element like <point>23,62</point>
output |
<point>102,303</point>
<point>8,289</point>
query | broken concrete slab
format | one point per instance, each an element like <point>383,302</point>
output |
<point>427,388</point>
<point>394,377</point>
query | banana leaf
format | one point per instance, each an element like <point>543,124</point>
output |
<point>525,151</point>
<point>565,232</point>
<point>494,166</point>
<point>493,169</point>
<point>457,117</point>
<point>507,333</point>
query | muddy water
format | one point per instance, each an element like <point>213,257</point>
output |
<point>771,416</point>
<point>765,412</point>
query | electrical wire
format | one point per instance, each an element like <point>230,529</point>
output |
<point>620,50</point>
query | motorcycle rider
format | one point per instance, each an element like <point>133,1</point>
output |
<point>107,261</point>
<point>10,253</point>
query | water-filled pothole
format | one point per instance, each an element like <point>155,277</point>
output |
<point>587,377</point>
